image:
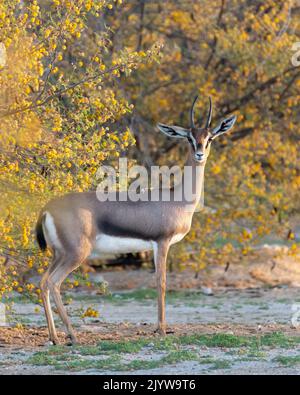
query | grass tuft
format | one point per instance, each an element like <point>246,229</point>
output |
<point>288,361</point>
<point>108,354</point>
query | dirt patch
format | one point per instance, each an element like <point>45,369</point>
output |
<point>38,337</point>
<point>255,301</point>
<point>230,332</point>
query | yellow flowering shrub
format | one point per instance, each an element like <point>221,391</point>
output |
<point>60,115</point>
<point>74,70</point>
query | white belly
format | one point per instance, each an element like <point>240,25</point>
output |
<point>119,245</point>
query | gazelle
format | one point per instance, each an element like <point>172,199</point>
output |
<point>76,225</point>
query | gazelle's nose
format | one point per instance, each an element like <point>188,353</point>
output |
<point>199,155</point>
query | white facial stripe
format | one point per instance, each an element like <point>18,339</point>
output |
<point>194,142</point>
<point>206,141</point>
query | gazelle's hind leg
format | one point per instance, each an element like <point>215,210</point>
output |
<point>56,278</point>
<point>45,293</point>
<point>47,307</point>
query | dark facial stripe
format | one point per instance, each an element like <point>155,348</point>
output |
<point>192,142</point>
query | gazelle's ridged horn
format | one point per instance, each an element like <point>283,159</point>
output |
<point>192,120</point>
<point>209,113</point>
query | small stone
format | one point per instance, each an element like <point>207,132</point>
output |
<point>48,343</point>
<point>141,323</point>
<point>207,291</point>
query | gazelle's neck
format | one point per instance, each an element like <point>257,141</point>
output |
<point>192,182</point>
<point>195,181</point>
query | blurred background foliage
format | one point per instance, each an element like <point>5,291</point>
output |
<point>85,82</point>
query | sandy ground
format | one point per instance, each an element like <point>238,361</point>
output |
<point>252,312</point>
<point>258,300</point>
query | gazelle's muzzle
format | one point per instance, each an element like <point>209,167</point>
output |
<point>199,156</point>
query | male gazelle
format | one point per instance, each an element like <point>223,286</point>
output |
<point>78,224</point>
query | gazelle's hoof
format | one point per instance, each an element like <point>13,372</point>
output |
<point>160,331</point>
<point>170,331</point>
<point>72,341</point>
<point>52,342</point>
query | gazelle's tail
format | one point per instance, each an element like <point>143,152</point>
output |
<point>40,237</point>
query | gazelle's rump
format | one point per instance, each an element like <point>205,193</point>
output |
<point>50,232</point>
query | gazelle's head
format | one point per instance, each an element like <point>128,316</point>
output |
<point>199,138</point>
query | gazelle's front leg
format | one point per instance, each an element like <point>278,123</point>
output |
<point>160,258</point>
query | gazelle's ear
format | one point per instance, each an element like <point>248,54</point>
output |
<point>224,127</point>
<point>173,131</point>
